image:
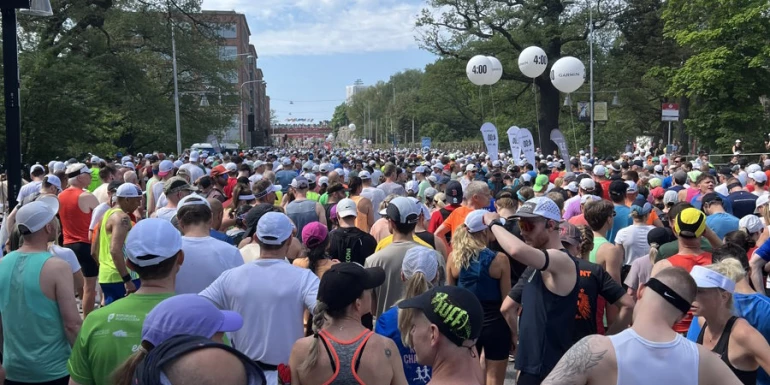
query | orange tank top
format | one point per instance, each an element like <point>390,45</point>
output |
<point>362,220</point>
<point>74,222</point>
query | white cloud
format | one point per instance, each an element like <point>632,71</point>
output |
<point>320,27</point>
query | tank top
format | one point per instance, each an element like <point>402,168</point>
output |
<point>108,273</point>
<point>362,220</point>
<point>691,193</point>
<point>687,262</point>
<point>37,350</point>
<point>427,237</point>
<point>74,222</point>
<point>301,213</point>
<point>643,362</point>
<point>721,349</point>
<point>476,279</point>
<point>345,357</point>
<point>549,321</point>
<point>600,301</point>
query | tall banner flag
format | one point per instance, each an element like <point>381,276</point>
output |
<point>513,139</point>
<point>489,133</point>
<point>558,138</point>
<point>527,145</point>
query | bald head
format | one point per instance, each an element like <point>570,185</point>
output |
<point>269,175</point>
<point>211,366</point>
<point>130,177</point>
<point>217,212</point>
<point>679,281</point>
<point>333,177</point>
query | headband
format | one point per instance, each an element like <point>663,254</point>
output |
<point>669,295</point>
<point>249,197</point>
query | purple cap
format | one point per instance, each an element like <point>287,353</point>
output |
<point>188,314</point>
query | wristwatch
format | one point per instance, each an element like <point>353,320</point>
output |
<point>126,278</point>
<point>497,222</point>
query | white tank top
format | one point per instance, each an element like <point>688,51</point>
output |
<point>643,362</point>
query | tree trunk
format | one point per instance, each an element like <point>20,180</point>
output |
<point>548,118</point>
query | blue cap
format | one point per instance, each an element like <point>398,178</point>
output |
<point>187,314</point>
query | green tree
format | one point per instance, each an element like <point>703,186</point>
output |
<point>726,73</point>
<point>340,117</point>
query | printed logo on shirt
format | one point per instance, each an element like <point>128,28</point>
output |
<point>583,306</point>
<point>123,317</point>
<point>423,374</point>
<point>120,333</point>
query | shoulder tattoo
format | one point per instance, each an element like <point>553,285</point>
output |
<point>578,360</point>
<point>387,352</point>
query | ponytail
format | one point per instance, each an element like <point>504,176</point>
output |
<point>319,318</point>
<point>654,252</point>
<point>415,285</point>
<point>124,374</point>
<point>465,246</point>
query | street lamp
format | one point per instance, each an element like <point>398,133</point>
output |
<point>12,85</point>
<point>240,94</point>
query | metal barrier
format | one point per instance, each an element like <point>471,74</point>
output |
<point>723,159</point>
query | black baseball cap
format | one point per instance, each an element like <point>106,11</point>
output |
<point>726,171</point>
<point>455,311</point>
<point>710,198</point>
<point>454,192</point>
<point>335,188</point>
<point>618,187</point>
<point>344,282</point>
<point>253,217</point>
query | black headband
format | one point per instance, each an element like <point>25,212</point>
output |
<point>669,295</point>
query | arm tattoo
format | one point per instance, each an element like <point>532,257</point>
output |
<point>578,360</point>
<point>387,352</point>
<point>125,222</point>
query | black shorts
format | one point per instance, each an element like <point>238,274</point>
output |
<point>60,381</point>
<point>495,340</point>
<point>529,379</point>
<point>88,265</point>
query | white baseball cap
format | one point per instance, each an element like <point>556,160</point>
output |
<point>474,221</point>
<point>402,210</point>
<point>231,167</point>
<point>670,197</point>
<point>588,184</point>
<point>540,207</point>
<point>152,241</point>
<point>192,200</point>
<point>36,166</point>
<point>323,181</point>
<point>470,167</point>
<point>59,166</point>
<point>631,187</point>
<point>165,167</point>
<point>128,190</point>
<point>53,180</point>
<point>572,186</point>
<point>194,156</point>
<point>35,215</point>
<point>346,208</point>
<point>600,170</point>
<point>420,259</point>
<point>589,197</point>
<point>413,186</point>
<point>274,228</point>
<point>751,223</point>
<point>709,279</point>
<point>762,200</point>
<point>364,175</point>
<point>758,176</point>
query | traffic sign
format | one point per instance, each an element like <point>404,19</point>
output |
<point>670,112</point>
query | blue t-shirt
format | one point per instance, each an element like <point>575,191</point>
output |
<point>755,309</point>
<point>284,178</point>
<point>698,203</point>
<point>622,220</point>
<point>387,325</point>
<point>221,236</point>
<point>722,223</point>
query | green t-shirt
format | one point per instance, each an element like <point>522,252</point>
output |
<point>672,248</point>
<point>424,185</point>
<point>108,336</point>
<point>323,199</point>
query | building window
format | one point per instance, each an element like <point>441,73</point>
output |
<point>230,76</point>
<point>227,30</point>
<point>228,52</point>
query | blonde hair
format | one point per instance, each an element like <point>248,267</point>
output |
<point>466,246</point>
<point>558,182</point>
<point>730,268</point>
<point>654,252</point>
<point>415,285</point>
<point>384,204</point>
<point>766,214</point>
<point>319,318</point>
<point>439,200</point>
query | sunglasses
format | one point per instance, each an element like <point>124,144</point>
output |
<point>527,225</point>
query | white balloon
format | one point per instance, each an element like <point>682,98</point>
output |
<point>477,69</point>
<point>352,127</point>
<point>533,61</point>
<point>496,73</point>
<point>568,74</point>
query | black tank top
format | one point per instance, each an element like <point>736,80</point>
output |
<point>721,348</point>
<point>428,238</point>
<point>549,321</point>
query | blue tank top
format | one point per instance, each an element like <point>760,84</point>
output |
<point>301,213</point>
<point>35,348</point>
<point>476,278</point>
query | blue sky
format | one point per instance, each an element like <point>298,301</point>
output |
<point>310,50</point>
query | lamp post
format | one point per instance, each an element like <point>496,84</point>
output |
<point>591,69</point>
<point>240,100</point>
<point>12,86</point>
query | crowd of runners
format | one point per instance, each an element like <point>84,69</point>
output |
<point>361,266</point>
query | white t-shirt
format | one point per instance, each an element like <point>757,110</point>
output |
<point>157,192</point>
<point>67,255</point>
<point>634,241</point>
<point>759,193</point>
<point>205,259</point>
<point>98,214</point>
<point>195,171</point>
<point>101,193</point>
<point>28,189</point>
<point>376,196</point>
<point>271,295</point>
<point>166,213</point>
